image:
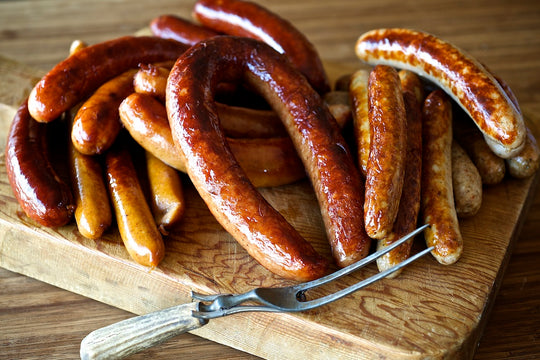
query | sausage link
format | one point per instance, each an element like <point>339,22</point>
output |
<point>358,90</point>
<point>527,162</point>
<point>166,192</point>
<point>437,204</point>
<point>409,204</point>
<point>136,225</point>
<point>181,30</point>
<point>237,205</point>
<point>339,104</point>
<point>459,74</point>
<point>40,191</point>
<point>267,162</point>
<point>411,82</point>
<point>97,123</point>
<point>71,80</point>
<point>466,183</point>
<point>244,18</point>
<point>387,152</point>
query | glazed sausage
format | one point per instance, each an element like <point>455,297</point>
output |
<point>409,203</point>
<point>97,123</point>
<point>40,191</point>
<point>387,151</point>
<point>181,30</point>
<point>236,204</point>
<point>166,193</point>
<point>136,225</point>
<point>466,183</point>
<point>411,82</point>
<point>358,90</point>
<point>71,80</point>
<point>244,18</point>
<point>267,162</point>
<point>437,204</point>
<point>527,162</point>
<point>460,75</point>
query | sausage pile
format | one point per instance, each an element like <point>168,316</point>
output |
<point>244,104</point>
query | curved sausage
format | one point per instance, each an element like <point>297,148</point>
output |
<point>466,182</point>
<point>437,204</point>
<point>527,162</point>
<point>358,90</point>
<point>244,18</point>
<point>136,225</point>
<point>409,203</point>
<point>233,200</point>
<point>267,162</point>
<point>71,80</point>
<point>41,193</point>
<point>181,30</point>
<point>387,152</point>
<point>460,75</point>
<point>97,123</point>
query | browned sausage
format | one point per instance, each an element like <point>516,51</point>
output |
<point>339,104</point>
<point>267,162</point>
<point>71,80</point>
<point>181,30</point>
<point>437,204</point>
<point>409,204</point>
<point>244,18</point>
<point>136,225</point>
<point>41,193</point>
<point>527,162</point>
<point>387,151</point>
<point>97,123</point>
<point>358,90</point>
<point>411,82</point>
<point>233,200</point>
<point>466,183</point>
<point>459,74</point>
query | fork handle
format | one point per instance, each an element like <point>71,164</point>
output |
<point>130,336</point>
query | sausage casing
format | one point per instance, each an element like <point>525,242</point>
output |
<point>466,183</point>
<point>358,90</point>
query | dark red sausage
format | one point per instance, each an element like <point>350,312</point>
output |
<point>181,30</point>
<point>41,193</point>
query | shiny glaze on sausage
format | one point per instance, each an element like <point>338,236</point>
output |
<point>179,29</point>
<point>224,186</point>
<point>358,90</point>
<point>459,74</point>
<point>74,78</point>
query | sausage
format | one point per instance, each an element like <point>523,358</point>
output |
<point>527,162</point>
<point>460,75</point>
<point>388,148</point>
<point>466,183</point>
<point>267,162</point>
<point>244,18</point>
<point>97,123</point>
<point>181,30</point>
<point>166,193</point>
<point>74,78</point>
<point>40,191</point>
<point>236,121</point>
<point>409,203</point>
<point>437,204</point>
<point>358,90</point>
<point>411,82</point>
<point>136,225</point>
<point>339,104</point>
<point>233,200</point>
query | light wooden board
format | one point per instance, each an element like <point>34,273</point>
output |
<point>430,311</point>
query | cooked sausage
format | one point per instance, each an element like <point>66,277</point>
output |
<point>412,82</point>
<point>358,90</point>
<point>437,204</point>
<point>211,165</point>
<point>179,29</point>
<point>71,80</point>
<point>166,193</point>
<point>244,18</point>
<point>527,162</point>
<point>466,183</point>
<point>387,151</point>
<point>409,203</point>
<point>459,74</point>
<point>267,162</point>
<point>97,122</point>
<point>136,225</point>
<point>40,191</point>
<point>339,104</point>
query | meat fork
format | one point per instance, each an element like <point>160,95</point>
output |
<point>127,337</point>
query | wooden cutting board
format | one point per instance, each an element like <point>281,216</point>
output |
<point>430,311</point>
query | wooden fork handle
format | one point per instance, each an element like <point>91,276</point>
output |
<point>130,336</point>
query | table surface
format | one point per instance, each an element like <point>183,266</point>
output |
<point>42,321</point>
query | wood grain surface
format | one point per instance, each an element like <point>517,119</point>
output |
<point>43,321</point>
